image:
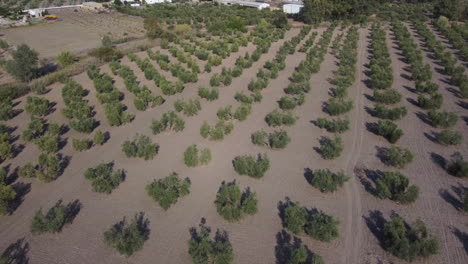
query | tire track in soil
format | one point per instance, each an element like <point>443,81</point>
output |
<point>354,208</point>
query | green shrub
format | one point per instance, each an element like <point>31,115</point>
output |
<point>66,58</point>
<point>331,148</point>
<point>334,126</point>
<point>36,106</point>
<point>387,96</point>
<point>189,108</point>
<point>127,238</point>
<point>321,226</point>
<point>295,218</point>
<point>458,167</point>
<point>99,138</point>
<point>251,166</point>
<point>141,146</point>
<point>104,179</point>
<point>408,241</point>
<point>51,222</point>
<point>81,144</point>
<point>339,106</point>
<point>260,138</point>
<point>84,125</point>
<point>204,250</point>
<point>116,114</point>
<point>279,139</point>
<point>389,130</point>
<point>36,128</point>
<point>433,102</point>
<point>215,80</point>
<point>395,186</point>
<point>6,148</point>
<point>442,119</point>
<point>6,111</point>
<point>7,195</point>
<point>168,190</point>
<point>327,181</point>
<point>397,157</point>
<point>277,118</point>
<point>287,102</point>
<point>49,167</point>
<point>28,170</point>
<point>225,113</point>
<point>242,112</point>
<point>205,129</point>
<point>208,94</point>
<point>47,143</point>
<point>169,121</point>
<point>205,156</point>
<point>193,157</point>
<point>231,204</point>
<point>449,137</point>
<point>384,112</point>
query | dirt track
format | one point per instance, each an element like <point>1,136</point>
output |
<point>255,237</point>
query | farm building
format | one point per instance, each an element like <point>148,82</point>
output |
<point>258,5</point>
<point>152,2</point>
<point>93,6</point>
<point>292,7</point>
<point>37,12</point>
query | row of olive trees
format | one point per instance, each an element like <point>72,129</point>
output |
<point>144,99</point>
<point>110,97</point>
<point>167,87</point>
<point>77,109</point>
<point>448,136</point>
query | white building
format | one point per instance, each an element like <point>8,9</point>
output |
<point>258,5</point>
<point>292,8</point>
<point>37,12</point>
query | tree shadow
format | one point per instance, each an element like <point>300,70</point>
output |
<point>431,136</point>
<point>382,154</point>
<point>410,89</point>
<point>282,207</point>
<point>64,162</point>
<point>462,236</point>
<point>17,252</point>
<point>439,160</point>
<point>423,117</point>
<point>286,244</point>
<point>142,224</point>
<point>406,77</point>
<point>372,127</point>
<point>376,222</point>
<point>412,101</point>
<point>308,175</point>
<point>21,190</point>
<point>463,104</point>
<point>73,209</point>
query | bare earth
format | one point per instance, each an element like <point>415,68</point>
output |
<point>255,237</point>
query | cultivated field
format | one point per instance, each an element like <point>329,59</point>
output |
<point>260,237</point>
<point>78,32</point>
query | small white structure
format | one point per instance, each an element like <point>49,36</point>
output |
<point>37,12</point>
<point>258,5</point>
<point>292,8</point>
